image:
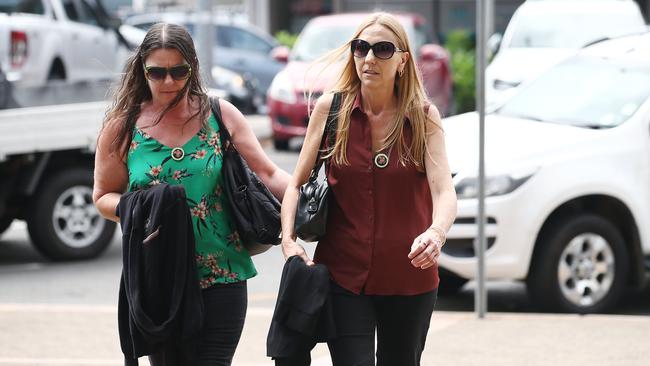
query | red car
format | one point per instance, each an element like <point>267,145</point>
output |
<point>286,98</point>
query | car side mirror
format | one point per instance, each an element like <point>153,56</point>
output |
<point>280,54</point>
<point>433,52</point>
<point>493,44</point>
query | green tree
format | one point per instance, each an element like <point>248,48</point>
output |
<point>461,47</point>
<point>285,38</point>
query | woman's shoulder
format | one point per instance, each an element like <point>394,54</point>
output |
<point>324,103</point>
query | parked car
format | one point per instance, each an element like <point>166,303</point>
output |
<point>567,184</point>
<point>64,40</point>
<point>5,93</point>
<point>287,100</point>
<point>240,48</point>
<point>543,33</point>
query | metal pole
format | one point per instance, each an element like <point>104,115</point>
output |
<point>204,39</point>
<point>480,295</point>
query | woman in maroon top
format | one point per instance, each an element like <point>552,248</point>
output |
<point>392,200</point>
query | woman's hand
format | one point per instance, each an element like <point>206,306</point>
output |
<point>291,248</point>
<point>425,249</point>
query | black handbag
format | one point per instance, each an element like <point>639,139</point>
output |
<point>255,211</point>
<point>313,199</point>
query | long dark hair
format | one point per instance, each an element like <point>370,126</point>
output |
<point>133,89</point>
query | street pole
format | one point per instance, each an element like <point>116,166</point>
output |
<point>480,295</point>
<point>204,39</point>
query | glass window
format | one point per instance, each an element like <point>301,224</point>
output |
<point>239,38</point>
<point>312,43</point>
<point>89,14</point>
<point>71,10</point>
<point>22,6</point>
<point>568,30</point>
<point>584,91</point>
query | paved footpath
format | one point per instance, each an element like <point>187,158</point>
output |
<point>43,335</point>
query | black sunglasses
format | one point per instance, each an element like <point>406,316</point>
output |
<point>158,73</point>
<point>383,50</point>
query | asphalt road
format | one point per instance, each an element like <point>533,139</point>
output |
<point>27,277</point>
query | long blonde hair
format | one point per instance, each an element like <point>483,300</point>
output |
<point>411,98</point>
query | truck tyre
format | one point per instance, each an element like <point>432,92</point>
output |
<point>63,222</point>
<point>580,266</point>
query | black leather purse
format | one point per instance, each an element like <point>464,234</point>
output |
<point>311,213</point>
<point>255,211</point>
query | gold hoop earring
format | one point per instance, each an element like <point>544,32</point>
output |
<point>400,73</point>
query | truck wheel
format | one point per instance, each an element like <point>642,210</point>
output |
<point>63,222</point>
<point>580,266</point>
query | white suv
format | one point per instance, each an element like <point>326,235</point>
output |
<point>542,33</point>
<point>568,181</point>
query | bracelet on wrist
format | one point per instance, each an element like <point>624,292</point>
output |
<point>441,233</point>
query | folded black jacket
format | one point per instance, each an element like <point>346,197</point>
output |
<point>160,304</point>
<point>303,311</point>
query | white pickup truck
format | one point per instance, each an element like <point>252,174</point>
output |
<point>568,182</point>
<point>69,40</point>
<point>46,165</point>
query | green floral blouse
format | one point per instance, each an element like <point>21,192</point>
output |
<point>220,254</point>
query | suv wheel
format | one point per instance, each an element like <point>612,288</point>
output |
<point>64,223</point>
<point>580,266</point>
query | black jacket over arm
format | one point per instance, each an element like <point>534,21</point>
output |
<point>160,302</point>
<point>303,312</point>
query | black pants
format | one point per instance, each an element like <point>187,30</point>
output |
<point>224,314</point>
<point>401,323</point>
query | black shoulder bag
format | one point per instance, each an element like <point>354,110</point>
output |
<point>255,211</point>
<point>311,213</point>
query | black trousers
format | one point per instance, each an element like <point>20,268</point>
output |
<point>224,314</point>
<point>401,323</point>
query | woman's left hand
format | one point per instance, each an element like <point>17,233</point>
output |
<point>425,249</point>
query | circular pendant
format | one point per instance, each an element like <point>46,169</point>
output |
<point>178,153</point>
<point>381,160</point>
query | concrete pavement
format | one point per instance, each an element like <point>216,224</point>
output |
<point>43,335</point>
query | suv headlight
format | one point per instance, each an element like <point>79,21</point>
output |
<point>281,89</point>
<point>494,186</point>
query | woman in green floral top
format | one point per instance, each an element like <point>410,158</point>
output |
<point>160,129</point>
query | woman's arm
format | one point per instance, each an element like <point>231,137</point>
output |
<point>426,247</point>
<point>111,174</point>
<point>250,149</point>
<point>300,176</point>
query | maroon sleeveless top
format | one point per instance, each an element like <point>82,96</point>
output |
<point>374,216</point>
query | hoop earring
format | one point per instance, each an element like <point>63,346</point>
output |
<point>400,73</point>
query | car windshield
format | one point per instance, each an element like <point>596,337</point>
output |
<point>585,92</point>
<point>316,40</point>
<point>22,6</point>
<point>568,30</point>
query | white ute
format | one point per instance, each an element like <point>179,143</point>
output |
<point>568,182</point>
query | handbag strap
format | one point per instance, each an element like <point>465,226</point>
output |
<point>223,131</point>
<point>329,133</point>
